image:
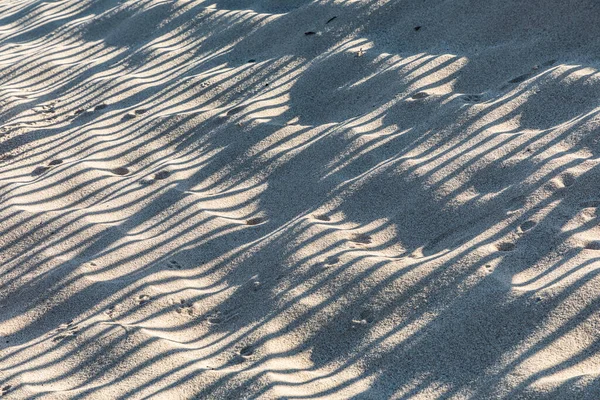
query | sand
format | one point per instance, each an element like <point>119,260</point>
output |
<point>299,199</point>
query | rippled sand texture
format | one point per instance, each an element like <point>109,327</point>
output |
<point>299,199</point>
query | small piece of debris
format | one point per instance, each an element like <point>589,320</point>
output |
<point>330,19</point>
<point>309,33</point>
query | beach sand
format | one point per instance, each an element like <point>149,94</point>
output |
<point>299,199</point>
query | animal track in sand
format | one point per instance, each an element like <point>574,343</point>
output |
<point>147,181</point>
<point>472,98</point>
<point>89,111</point>
<point>419,95</point>
<point>246,351</point>
<point>111,312</point>
<point>66,331</point>
<point>527,225</point>
<point>133,114</point>
<point>520,78</point>
<point>516,203</point>
<point>332,260</point>
<point>143,299</point>
<point>5,389</point>
<point>361,238</point>
<point>45,109</point>
<point>218,317</point>
<point>214,320</point>
<point>185,307</point>
<point>129,115</point>
<point>161,175</point>
<point>39,170</point>
<point>120,171</point>
<point>568,180</point>
<point>590,204</point>
<point>593,245</point>
<point>255,221</point>
<point>505,246</point>
<point>322,217</point>
<point>364,318</point>
<point>235,110</point>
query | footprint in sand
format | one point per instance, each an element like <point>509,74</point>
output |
<point>235,110</point>
<point>361,238</point>
<point>215,319</point>
<point>527,225</point>
<point>134,114</point>
<point>322,217</point>
<point>246,351</point>
<point>420,95</point>
<point>332,260</point>
<point>593,245</point>
<point>516,204</point>
<point>255,221</point>
<point>219,317</point>
<point>111,312</point>
<point>365,318</point>
<point>146,181</point>
<point>590,204</point>
<point>39,170</point>
<point>520,78</point>
<point>185,307</point>
<point>161,175</point>
<point>45,109</point>
<point>472,98</point>
<point>568,180</point>
<point>129,115</point>
<point>505,246</point>
<point>120,171</point>
<point>143,299</point>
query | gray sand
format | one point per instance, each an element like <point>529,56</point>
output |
<point>253,199</point>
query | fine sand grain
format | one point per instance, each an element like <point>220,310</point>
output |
<point>299,199</point>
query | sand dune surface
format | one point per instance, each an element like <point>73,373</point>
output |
<point>299,199</point>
